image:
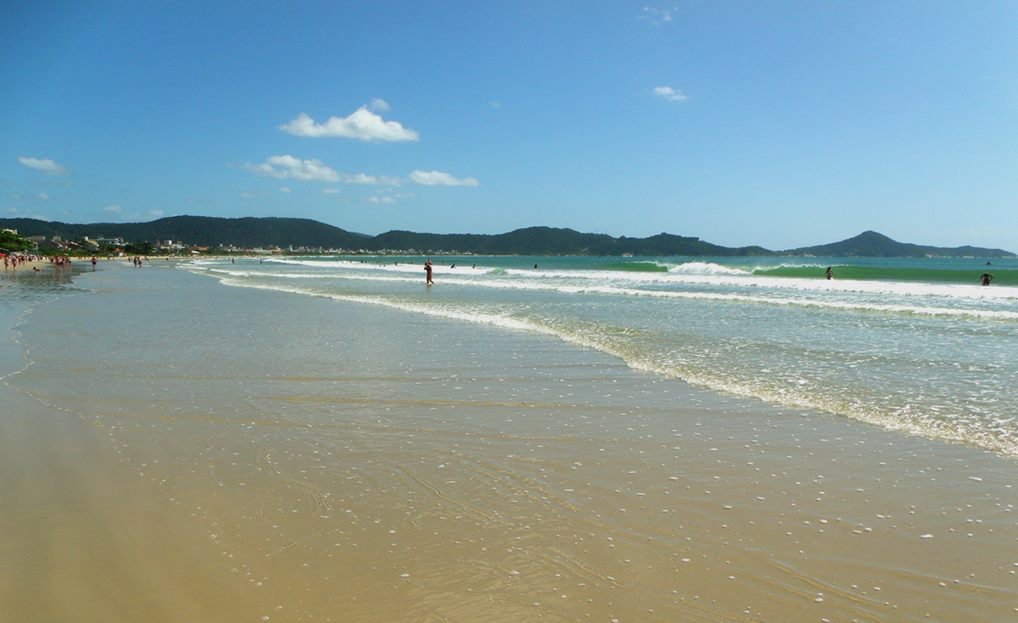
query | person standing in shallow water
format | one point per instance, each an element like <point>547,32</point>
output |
<point>985,279</point>
<point>829,273</point>
<point>427,272</point>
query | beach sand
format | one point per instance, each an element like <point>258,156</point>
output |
<point>416,477</point>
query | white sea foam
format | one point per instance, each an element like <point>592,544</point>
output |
<point>905,381</point>
<point>896,298</point>
<point>705,268</point>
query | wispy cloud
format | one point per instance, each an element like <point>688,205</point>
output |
<point>386,199</point>
<point>362,125</point>
<point>331,191</point>
<point>43,196</point>
<point>670,94</point>
<point>371,180</point>
<point>439,178</point>
<point>18,213</point>
<point>43,164</point>
<point>117,211</point>
<point>289,167</point>
<point>379,105</point>
<point>657,16</point>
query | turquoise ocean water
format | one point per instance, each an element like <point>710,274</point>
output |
<point>915,345</point>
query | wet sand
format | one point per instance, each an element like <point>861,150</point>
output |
<point>416,477</point>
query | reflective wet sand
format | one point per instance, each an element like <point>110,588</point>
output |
<point>178,450</point>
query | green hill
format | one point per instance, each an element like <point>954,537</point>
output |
<point>553,241</point>
<point>202,231</point>
<point>251,232</point>
<point>873,244</point>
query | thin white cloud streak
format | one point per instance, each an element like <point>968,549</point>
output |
<point>371,180</point>
<point>657,16</point>
<point>291,167</point>
<point>113,209</point>
<point>43,164</point>
<point>379,105</point>
<point>440,178</point>
<point>362,125</point>
<point>669,94</point>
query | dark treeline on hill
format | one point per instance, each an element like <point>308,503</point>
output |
<point>552,241</point>
<point>873,244</point>
<point>204,231</point>
<point>286,233</point>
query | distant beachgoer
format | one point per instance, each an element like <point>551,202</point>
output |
<point>535,265</point>
<point>829,273</point>
<point>985,278</point>
<point>427,272</point>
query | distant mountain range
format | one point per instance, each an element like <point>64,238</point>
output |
<point>873,244</point>
<point>252,232</point>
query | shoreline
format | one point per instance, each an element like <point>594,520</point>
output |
<point>551,483</point>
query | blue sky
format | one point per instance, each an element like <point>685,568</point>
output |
<point>782,124</point>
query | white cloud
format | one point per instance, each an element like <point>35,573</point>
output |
<point>386,199</point>
<point>289,167</point>
<point>657,16</point>
<point>43,164</point>
<point>362,124</point>
<point>43,196</point>
<point>439,178</point>
<point>379,105</point>
<point>670,94</point>
<point>330,191</point>
<point>248,194</point>
<point>361,178</point>
<point>113,209</point>
<point>154,213</point>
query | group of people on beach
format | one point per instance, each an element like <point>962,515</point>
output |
<point>13,260</point>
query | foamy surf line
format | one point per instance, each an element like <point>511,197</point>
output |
<point>611,290</point>
<point>924,428</point>
<point>700,273</point>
